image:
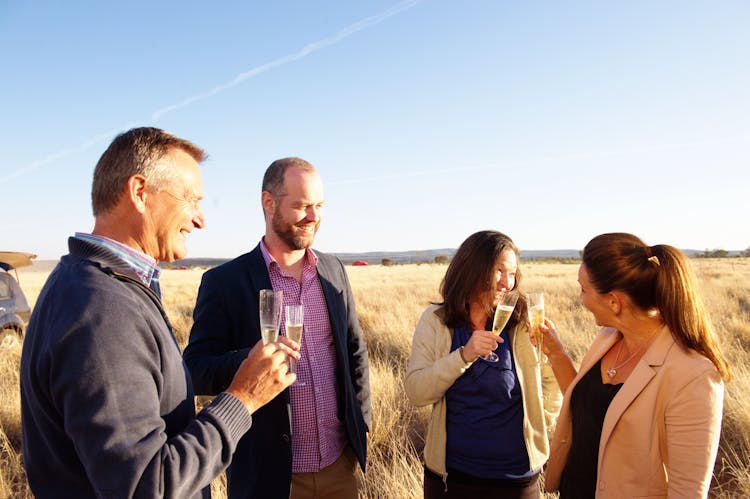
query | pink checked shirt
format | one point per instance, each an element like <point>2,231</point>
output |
<point>318,437</point>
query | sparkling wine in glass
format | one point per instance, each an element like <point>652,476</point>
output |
<point>270,303</point>
<point>535,304</point>
<point>502,315</point>
<point>294,325</point>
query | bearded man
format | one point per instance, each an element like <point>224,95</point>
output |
<point>308,440</point>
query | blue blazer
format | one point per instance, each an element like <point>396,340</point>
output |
<point>226,326</point>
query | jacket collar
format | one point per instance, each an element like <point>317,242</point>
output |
<point>646,368</point>
<point>99,255</point>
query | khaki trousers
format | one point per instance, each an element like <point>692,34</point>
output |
<point>338,481</point>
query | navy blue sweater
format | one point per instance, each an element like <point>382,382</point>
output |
<point>106,402</point>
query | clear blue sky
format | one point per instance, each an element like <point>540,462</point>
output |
<point>428,120</point>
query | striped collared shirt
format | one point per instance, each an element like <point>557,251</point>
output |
<point>318,436</point>
<point>143,265</point>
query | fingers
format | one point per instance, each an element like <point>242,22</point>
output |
<point>552,343</point>
<point>547,326</point>
<point>263,374</point>
<point>481,344</point>
<point>288,346</point>
<point>284,348</point>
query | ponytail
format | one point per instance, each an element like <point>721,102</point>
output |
<point>682,309</point>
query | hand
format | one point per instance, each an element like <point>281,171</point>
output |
<point>551,344</point>
<point>481,344</point>
<point>264,373</point>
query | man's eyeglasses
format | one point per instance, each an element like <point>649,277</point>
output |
<point>193,202</point>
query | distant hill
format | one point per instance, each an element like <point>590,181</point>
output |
<point>426,256</point>
<point>376,257</point>
<point>398,257</point>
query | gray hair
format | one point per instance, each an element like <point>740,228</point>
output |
<point>137,151</point>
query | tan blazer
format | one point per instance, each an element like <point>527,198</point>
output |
<point>661,431</point>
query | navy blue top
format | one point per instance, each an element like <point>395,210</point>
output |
<point>485,416</point>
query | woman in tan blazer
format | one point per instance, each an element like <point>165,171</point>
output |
<point>642,416</point>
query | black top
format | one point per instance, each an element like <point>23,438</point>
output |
<point>588,404</point>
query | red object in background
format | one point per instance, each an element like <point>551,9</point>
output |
<point>359,263</point>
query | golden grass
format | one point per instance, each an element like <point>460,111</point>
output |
<point>389,301</point>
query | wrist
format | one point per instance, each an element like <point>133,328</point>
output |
<point>462,352</point>
<point>249,404</point>
<point>556,355</point>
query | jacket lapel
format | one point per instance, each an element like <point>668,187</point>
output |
<point>332,292</point>
<point>257,273</point>
<point>634,385</point>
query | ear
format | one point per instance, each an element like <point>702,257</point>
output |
<point>268,203</point>
<point>615,302</point>
<point>137,192</point>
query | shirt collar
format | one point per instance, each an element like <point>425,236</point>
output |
<point>142,264</point>
<point>310,257</point>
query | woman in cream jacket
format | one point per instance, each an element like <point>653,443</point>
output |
<point>487,433</point>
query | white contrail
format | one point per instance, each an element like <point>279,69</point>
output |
<point>304,52</point>
<point>51,158</point>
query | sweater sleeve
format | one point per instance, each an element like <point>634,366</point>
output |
<point>551,398</point>
<point>431,369</point>
<point>117,378</point>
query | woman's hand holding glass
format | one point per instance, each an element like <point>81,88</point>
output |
<point>480,344</point>
<point>551,344</point>
<point>557,357</point>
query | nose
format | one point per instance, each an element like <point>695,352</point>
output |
<point>503,283</point>
<point>313,213</point>
<point>199,218</point>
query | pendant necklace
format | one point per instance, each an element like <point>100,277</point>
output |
<point>612,371</point>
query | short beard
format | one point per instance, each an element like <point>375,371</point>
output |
<point>286,234</point>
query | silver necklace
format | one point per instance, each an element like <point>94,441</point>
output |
<point>612,371</point>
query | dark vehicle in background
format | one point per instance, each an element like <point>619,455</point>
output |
<point>14,309</point>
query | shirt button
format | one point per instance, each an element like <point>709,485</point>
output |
<point>285,438</point>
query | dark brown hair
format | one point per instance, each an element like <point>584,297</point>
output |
<point>655,277</point>
<point>472,271</point>
<point>136,151</point>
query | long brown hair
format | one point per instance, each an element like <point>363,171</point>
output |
<point>473,270</point>
<point>655,277</point>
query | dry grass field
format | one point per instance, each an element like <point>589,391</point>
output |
<point>390,300</point>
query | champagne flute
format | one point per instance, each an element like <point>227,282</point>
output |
<point>502,315</point>
<point>294,325</point>
<point>269,307</point>
<point>535,307</point>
